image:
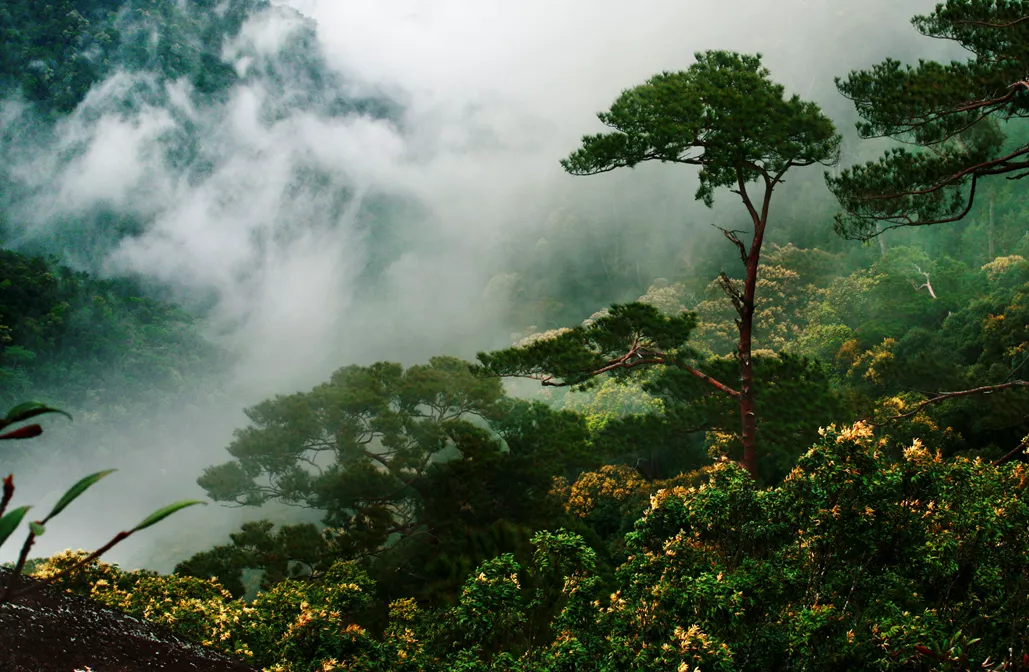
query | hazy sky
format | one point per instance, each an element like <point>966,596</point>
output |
<point>493,93</point>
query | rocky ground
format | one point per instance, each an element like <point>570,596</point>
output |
<point>49,630</point>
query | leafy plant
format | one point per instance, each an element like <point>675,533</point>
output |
<point>9,521</point>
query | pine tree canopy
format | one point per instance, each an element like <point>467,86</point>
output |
<point>951,114</point>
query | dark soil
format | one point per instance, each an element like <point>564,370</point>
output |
<point>49,630</point>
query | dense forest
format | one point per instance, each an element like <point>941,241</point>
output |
<point>804,448</point>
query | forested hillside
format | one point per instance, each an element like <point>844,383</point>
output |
<point>789,433</point>
<point>87,343</point>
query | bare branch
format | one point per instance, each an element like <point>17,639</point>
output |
<point>731,290</point>
<point>928,284</point>
<point>734,239</point>
<point>1013,454</point>
<point>945,396</point>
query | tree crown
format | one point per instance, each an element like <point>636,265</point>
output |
<point>723,114</point>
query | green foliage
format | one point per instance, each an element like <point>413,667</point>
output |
<point>290,552</point>
<point>420,473</point>
<point>889,344</point>
<point>951,112</point>
<point>723,114</point>
<point>54,52</point>
<point>76,490</point>
<point>575,356</point>
<point>726,116</point>
<point>344,444</point>
<point>867,552</point>
<point>10,522</point>
<point>27,410</point>
<point>295,626</point>
<point>97,347</point>
<point>793,391</point>
<point>856,561</point>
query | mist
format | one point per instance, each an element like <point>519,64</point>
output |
<point>319,238</point>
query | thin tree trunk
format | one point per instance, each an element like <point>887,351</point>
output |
<point>989,232</point>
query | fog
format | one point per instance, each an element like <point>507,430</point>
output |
<point>487,97</point>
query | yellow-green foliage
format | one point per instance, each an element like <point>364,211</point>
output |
<point>82,580</point>
<point>615,398</point>
<point>304,625</point>
<point>297,626</point>
<point>854,562</point>
<point>612,485</point>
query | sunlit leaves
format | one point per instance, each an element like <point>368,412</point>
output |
<point>852,563</point>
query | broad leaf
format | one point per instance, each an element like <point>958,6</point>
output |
<point>29,409</point>
<point>161,514</point>
<point>76,490</point>
<point>11,521</point>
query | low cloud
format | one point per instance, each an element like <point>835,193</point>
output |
<point>328,236</point>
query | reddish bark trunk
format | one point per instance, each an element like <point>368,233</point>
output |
<point>748,412</point>
<point>748,415</point>
<point>744,303</point>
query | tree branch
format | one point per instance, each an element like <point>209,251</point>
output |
<point>988,24</point>
<point>1013,454</point>
<point>732,291</point>
<point>907,221</point>
<point>734,239</point>
<point>945,396</point>
<point>742,191</point>
<point>8,493</point>
<point>637,356</point>
<point>928,284</point>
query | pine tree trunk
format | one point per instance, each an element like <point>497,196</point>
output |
<point>748,415</point>
<point>748,411</point>
<point>744,302</point>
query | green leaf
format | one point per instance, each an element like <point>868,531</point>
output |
<point>37,528</point>
<point>11,521</point>
<point>29,409</point>
<point>76,490</point>
<point>161,514</point>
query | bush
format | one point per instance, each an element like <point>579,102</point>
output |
<point>852,563</point>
